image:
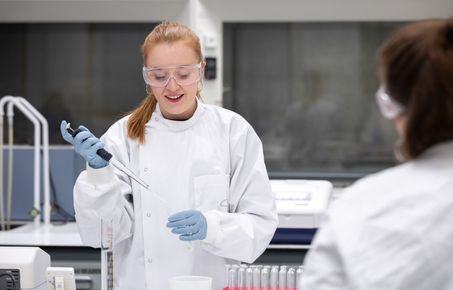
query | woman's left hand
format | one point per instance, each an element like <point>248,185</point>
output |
<point>190,225</point>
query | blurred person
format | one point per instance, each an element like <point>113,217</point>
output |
<point>393,229</point>
<point>210,201</point>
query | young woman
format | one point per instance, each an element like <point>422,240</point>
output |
<point>209,202</point>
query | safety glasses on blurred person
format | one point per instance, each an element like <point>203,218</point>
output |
<point>389,108</point>
<point>183,75</point>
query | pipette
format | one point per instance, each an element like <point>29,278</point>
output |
<point>104,154</point>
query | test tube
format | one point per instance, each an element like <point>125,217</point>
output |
<point>233,279</point>
<point>273,280</point>
<point>227,272</point>
<point>282,278</point>
<point>241,278</point>
<point>256,277</point>
<point>249,278</point>
<point>291,279</point>
<point>106,254</point>
<point>299,272</point>
<point>265,278</point>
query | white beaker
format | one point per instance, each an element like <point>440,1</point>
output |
<point>190,283</point>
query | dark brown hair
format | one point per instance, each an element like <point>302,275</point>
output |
<point>416,67</point>
<point>166,32</point>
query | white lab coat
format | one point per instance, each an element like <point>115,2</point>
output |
<point>392,230</point>
<point>212,162</point>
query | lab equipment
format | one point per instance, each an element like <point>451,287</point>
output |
<point>265,278</point>
<point>210,70</point>
<point>104,154</point>
<point>259,277</point>
<point>282,277</point>
<point>107,254</point>
<point>60,278</point>
<point>38,121</point>
<point>256,278</point>
<point>299,273</point>
<point>300,207</point>
<point>227,270</point>
<point>189,224</point>
<point>190,283</point>
<point>241,277</point>
<point>291,279</point>
<point>233,278</point>
<point>248,278</point>
<point>86,145</point>
<point>23,268</point>
<point>273,280</point>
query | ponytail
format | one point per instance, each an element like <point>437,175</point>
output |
<point>139,117</point>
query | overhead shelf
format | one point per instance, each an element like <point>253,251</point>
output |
<point>225,11</point>
<point>91,11</point>
<point>327,10</point>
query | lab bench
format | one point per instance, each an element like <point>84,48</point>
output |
<point>63,244</point>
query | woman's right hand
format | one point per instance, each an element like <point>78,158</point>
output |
<point>85,144</point>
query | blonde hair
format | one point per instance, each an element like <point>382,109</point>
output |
<point>166,32</point>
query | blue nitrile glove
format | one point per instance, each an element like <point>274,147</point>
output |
<point>190,225</point>
<point>85,144</point>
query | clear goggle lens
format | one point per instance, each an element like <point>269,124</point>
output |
<point>389,108</point>
<point>184,75</point>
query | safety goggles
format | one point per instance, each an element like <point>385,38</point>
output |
<point>389,108</point>
<point>184,75</point>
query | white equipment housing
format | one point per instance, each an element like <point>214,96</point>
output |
<point>31,262</point>
<point>60,278</point>
<point>301,203</point>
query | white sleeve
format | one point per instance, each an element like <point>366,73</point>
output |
<point>324,269</point>
<point>244,232</point>
<point>99,194</point>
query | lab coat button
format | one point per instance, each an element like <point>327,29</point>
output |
<point>145,169</point>
<point>150,260</point>
<point>157,119</point>
<point>148,214</point>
